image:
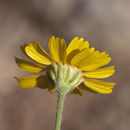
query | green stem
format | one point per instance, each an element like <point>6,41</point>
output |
<point>60,103</point>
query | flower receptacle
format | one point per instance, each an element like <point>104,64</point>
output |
<point>64,77</point>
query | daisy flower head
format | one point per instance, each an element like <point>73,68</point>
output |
<point>66,69</point>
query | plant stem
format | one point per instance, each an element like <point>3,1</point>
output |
<point>60,103</point>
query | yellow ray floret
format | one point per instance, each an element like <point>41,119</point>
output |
<point>33,81</point>
<point>28,81</point>
<point>77,43</point>
<point>35,51</point>
<point>29,66</point>
<point>100,73</point>
<point>87,60</point>
<point>99,86</point>
<point>57,48</point>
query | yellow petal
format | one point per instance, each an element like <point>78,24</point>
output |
<point>43,82</point>
<point>83,87</point>
<point>99,86</point>
<point>51,90</point>
<point>71,55</point>
<point>29,66</point>
<point>87,60</point>
<point>28,81</point>
<point>100,73</point>
<point>76,91</point>
<point>35,51</point>
<point>57,48</point>
<point>92,49</point>
<point>40,81</point>
<point>83,55</point>
<point>77,44</point>
<point>99,61</point>
<point>23,47</point>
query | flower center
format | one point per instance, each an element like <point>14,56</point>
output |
<point>64,77</point>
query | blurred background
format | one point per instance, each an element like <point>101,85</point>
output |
<point>105,23</point>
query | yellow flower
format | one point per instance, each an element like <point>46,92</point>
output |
<point>76,58</point>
